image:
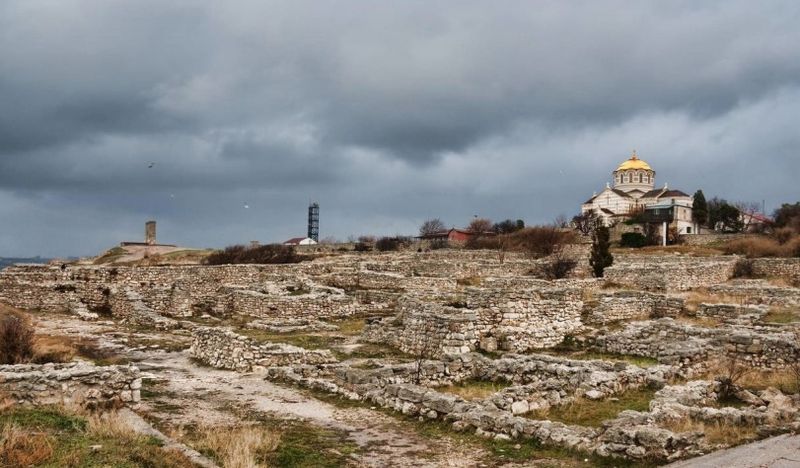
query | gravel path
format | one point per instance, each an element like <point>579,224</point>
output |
<point>776,452</point>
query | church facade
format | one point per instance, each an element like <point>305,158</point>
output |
<point>633,191</point>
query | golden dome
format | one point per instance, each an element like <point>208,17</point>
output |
<point>634,163</point>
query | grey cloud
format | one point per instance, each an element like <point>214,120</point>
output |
<point>385,113</point>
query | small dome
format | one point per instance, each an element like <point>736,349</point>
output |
<point>634,163</point>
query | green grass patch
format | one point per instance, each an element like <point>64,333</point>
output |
<point>51,437</point>
<point>584,412</point>
<point>42,418</point>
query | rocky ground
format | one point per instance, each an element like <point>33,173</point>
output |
<point>181,393</point>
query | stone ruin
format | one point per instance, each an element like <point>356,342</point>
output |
<point>454,317</point>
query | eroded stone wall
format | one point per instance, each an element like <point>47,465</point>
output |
<point>73,383</point>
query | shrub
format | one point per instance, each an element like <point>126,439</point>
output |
<point>362,247</point>
<point>16,340</point>
<point>558,268</point>
<point>633,239</point>
<point>389,244</point>
<point>754,247</point>
<point>484,243</point>
<point>262,254</point>
<point>539,241</point>
<point>783,235</point>
<point>743,269</point>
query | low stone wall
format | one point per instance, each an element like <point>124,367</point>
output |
<point>73,383</point>
<point>731,312</point>
<point>552,381</point>
<point>713,238</point>
<point>225,349</point>
<point>612,306</point>
<point>672,342</point>
<point>660,273</point>
<point>757,292</point>
<point>788,268</point>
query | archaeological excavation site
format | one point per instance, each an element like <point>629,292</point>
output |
<point>418,357</point>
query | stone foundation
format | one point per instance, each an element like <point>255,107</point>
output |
<point>74,383</point>
<point>225,349</point>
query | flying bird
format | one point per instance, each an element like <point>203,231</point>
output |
<point>246,206</point>
<point>150,166</point>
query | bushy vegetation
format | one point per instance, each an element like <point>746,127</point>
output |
<point>16,339</point>
<point>540,241</point>
<point>262,254</point>
<point>743,269</point>
<point>558,268</point>
<point>764,246</point>
<point>633,239</point>
<point>391,244</point>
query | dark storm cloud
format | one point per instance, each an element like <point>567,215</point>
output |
<point>385,113</point>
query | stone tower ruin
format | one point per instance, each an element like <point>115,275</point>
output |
<point>150,233</point>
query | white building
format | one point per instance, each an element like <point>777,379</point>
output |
<point>634,191</point>
<point>300,241</point>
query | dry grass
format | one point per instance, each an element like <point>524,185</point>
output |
<point>60,436</point>
<point>757,247</point>
<point>781,315</point>
<point>469,281</point>
<point>22,447</point>
<point>48,348</point>
<point>591,413</point>
<point>238,447</point>
<point>702,296</point>
<point>472,390</point>
<point>784,380</point>
<point>716,433</point>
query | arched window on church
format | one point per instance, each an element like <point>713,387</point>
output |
<point>640,177</point>
<point>647,178</point>
<point>627,178</point>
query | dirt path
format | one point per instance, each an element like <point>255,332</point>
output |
<point>195,395</point>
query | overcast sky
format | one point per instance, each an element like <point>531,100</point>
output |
<point>386,113</point>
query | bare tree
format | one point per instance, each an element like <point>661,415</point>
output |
<point>586,223</point>
<point>747,212</point>
<point>431,226</point>
<point>561,221</point>
<point>480,225</point>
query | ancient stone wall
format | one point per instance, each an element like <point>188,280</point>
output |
<point>73,383</point>
<point>661,273</point>
<point>673,342</point>
<point>713,238</point>
<point>224,349</point>
<point>757,292</point>
<point>788,268</point>
<point>611,306</point>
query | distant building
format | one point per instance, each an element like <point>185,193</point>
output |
<point>300,241</point>
<point>634,192</point>
<point>149,237</point>
<point>313,222</point>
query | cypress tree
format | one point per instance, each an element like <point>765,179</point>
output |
<point>700,208</point>
<point>601,256</point>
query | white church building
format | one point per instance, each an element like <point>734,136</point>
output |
<point>634,191</point>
